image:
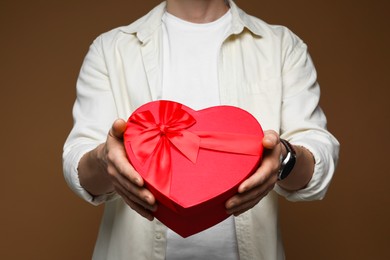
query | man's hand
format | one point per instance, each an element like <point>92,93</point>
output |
<point>257,186</point>
<point>107,168</point>
<point>126,180</point>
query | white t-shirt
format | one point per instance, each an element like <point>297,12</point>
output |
<point>190,59</point>
<point>190,77</point>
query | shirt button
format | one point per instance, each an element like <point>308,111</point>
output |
<point>158,236</point>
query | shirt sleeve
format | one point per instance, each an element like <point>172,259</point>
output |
<point>304,123</point>
<point>94,111</point>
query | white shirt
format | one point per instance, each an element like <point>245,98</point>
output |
<point>262,68</point>
<point>190,76</point>
<point>190,60</point>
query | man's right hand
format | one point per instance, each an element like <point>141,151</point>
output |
<point>109,169</point>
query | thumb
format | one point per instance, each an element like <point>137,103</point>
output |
<point>271,139</point>
<point>118,128</point>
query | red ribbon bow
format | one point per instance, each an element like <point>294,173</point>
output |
<point>151,139</point>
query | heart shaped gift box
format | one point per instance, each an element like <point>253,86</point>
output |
<point>192,161</point>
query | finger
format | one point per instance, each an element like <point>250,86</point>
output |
<point>256,179</point>
<point>144,201</point>
<point>123,172</point>
<point>118,128</point>
<point>253,194</point>
<point>250,195</point>
<point>256,185</point>
<point>261,176</point>
<point>244,207</point>
<point>241,203</point>
<point>117,159</point>
<point>144,212</point>
<point>268,169</point>
<point>238,211</point>
<point>123,167</point>
<point>271,139</point>
<point>140,194</point>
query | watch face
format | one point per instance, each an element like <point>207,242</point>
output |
<point>289,162</point>
<point>288,166</point>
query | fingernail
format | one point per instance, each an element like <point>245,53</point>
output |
<point>243,189</point>
<point>147,199</point>
<point>271,138</point>
<point>231,205</point>
<point>230,211</point>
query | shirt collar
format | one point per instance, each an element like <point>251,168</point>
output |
<point>147,25</point>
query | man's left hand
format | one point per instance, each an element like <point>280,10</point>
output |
<point>258,185</point>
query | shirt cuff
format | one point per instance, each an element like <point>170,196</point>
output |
<point>71,175</point>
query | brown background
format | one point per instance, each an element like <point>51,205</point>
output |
<point>42,46</point>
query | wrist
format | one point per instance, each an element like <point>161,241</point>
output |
<point>98,155</point>
<point>93,173</point>
<point>302,172</point>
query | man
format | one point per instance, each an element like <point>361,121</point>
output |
<point>200,53</point>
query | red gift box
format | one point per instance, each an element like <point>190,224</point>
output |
<point>192,161</point>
